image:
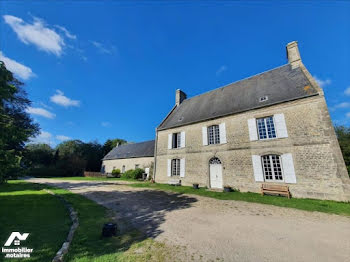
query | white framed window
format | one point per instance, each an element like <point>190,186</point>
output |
<point>266,128</point>
<point>137,166</point>
<point>123,169</point>
<point>175,167</point>
<point>213,135</point>
<point>272,168</point>
<point>176,142</point>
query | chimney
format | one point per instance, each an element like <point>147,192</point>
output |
<point>293,54</point>
<point>180,96</point>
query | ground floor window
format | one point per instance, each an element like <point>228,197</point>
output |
<point>175,167</point>
<point>272,167</point>
<point>123,169</point>
<point>137,166</point>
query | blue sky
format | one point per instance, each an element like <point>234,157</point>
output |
<point>106,69</point>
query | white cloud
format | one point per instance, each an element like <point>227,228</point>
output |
<point>221,70</point>
<point>62,137</point>
<point>342,105</point>
<point>36,33</point>
<point>347,91</point>
<point>60,99</point>
<point>105,124</point>
<point>322,83</point>
<point>102,47</point>
<point>18,69</point>
<point>40,112</point>
<point>66,32</point>
<point>43,137</point>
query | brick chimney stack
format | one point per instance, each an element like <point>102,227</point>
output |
<point>293,54</point>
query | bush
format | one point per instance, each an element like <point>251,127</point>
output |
<point>116,172</point>
<point>133,174</point>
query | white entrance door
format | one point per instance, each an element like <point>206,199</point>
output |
<point>215,173</point>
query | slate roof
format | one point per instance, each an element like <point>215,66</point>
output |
<point>143,149</point>
<point>279,85</point>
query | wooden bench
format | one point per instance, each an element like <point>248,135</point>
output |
<point>274,189</point>
<point>174,182</point>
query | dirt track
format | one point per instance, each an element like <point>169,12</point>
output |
<point>222,230</point>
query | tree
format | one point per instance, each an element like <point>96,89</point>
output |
<point>343,135</point>
<point>38,155</point>
<point>112,143</point>
<point>16,126</point>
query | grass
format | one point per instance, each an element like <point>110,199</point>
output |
<point>326,206</point>
<point>25,207</point>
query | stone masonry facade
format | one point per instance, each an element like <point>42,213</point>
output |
<point>128,163</point>
<point>319,167</point>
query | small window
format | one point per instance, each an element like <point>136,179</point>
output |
<point>176,140</point>
<point>123,169</point>
<point>272,168</point>
<point>266,128</point>
<point>137,166</point>
<point>213,135</point>
<point>175,167</point>
<point>263,98</point>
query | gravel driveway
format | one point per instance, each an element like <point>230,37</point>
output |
<point>222,230</point>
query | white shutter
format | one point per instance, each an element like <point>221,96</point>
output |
<point>170,141</point>
<point>257,167</point>
<point>288,168</point>
<point>183,139</point>
<point>280,124</point>
<point>169,167</point>
<point>253,134</point>
<point>222,130</point>
<point>205,135</point>
<point>182,167</point>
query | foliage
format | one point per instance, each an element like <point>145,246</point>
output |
<point>133,174</point>
<point>38,155</point>
<point>16,126</point>
<point>112,143</point>
<point>343,135</point>
<point>116,172</point>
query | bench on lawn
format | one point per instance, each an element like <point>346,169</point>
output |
<point>274,189</point>
<point>174,182</point>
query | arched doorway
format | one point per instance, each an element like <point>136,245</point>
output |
<point>215,169</point>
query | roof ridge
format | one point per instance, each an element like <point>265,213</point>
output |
<point>235,82</point>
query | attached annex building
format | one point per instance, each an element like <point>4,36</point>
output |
<point>273,127</point>
<point>130,156</point>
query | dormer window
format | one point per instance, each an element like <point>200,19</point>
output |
<point>263,98</point>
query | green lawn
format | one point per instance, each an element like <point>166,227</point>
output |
<point>25,207</point>
<point>326,206</point>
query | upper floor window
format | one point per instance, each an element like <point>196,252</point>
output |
<point>272,167</point>
<point>175,167</point>
<point>266,128</point>
<point>176,140</point>
<point>213,135</point>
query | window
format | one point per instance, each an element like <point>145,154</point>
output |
<point>263,98</point>
<point>175,167</point>
<point>266,128</point>
<point>213,135</point>
<point>272,167</point>
<point>123,169</point>
<point>176,140</point>
<point>137,166</point>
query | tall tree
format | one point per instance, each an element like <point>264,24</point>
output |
<point>112,143</point>
<point>16,126</point>
<point>343,134</point>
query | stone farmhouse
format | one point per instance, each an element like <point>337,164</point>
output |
<point>273,127</point>
<point>130,156</point>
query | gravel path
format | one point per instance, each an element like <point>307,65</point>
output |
<point>207,229</point>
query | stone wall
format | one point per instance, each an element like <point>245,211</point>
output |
<point>318,163</point>
<point>129,163</point>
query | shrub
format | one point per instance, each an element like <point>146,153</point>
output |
<point>116,172</point>
<point>133,174</point>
